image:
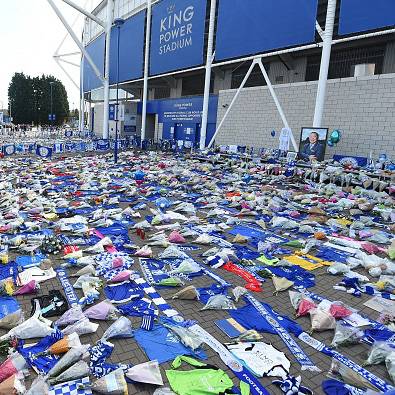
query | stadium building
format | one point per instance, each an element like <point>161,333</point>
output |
<point>285,37</point>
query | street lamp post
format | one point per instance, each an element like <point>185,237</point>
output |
<point>35,107</point>
<point>118,23</point>
<point>52,117</point>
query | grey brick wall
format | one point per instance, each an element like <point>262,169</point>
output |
<point>362,108</point>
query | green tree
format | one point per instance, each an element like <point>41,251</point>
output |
<point>30,99</point>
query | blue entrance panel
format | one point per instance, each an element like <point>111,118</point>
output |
<point>247,27</point>
<point>362,15</point>
<point>182,118</point>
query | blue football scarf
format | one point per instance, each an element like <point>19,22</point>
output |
<point>67,287</point>
<point>321,347</point>
<point>355,288</point>
<point>123,292</point>
<point>272,318</point>
<point>35,355</point>
<point>99,353</point>
<point>239,370</point>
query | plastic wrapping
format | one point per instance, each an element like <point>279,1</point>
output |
<point>378,353</point>
<point>187,338</point>
<point>295,298</point>
<point>238,292</point>
<point>76,371</point>
<point>338,268</point>
<point>39,387</point>
<point>219,302</point>
<point>164,391</point>
<point>321,320</point>
<point>390,364</point>
<point>338,310</point>
<point>102,311</point>
<point>250,336</point>
<point>82,327</point>
<point>188,266</point>
<point>71,316</point>
<point>172,252</point>
<point>304,307</point>
<point>64,345</point>
<point>12,320</point>
<point>113,383</point>
<point>121,328</point>
<point>187,293</point>
<point>14,385</point>
<point>176,238</point>
<point>281,284</point>
<point>12,365</point>
<point>346,335</point>
<point>31,328</point>
<point>341,372</point>
<point>68,359</point>
<point>148,373</point>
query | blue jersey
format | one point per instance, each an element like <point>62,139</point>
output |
<point>162,345</point>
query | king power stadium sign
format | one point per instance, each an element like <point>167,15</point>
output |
<point>176,29</point>
<point>177,35</point>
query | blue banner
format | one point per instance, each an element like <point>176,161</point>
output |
<point>131,49</point>
<point>354,161</point>
<point>256,26</point>
<point>9,149</point>
<point>58,148</point>
<point>361,15</point>
<point>111,112</point>
<point>68,133</point>
<point>96,51</point>
<point>102,145</point>
<point>44,152</point>
<point>177,35</point>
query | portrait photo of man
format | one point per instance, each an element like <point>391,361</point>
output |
<point>312,144</point>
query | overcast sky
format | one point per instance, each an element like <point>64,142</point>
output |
<point>30,33</point>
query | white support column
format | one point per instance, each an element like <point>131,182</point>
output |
<point>82,109</point>
<point>325,59</point>
<point>233,102</point>
<point>84,12</point>
<point>277,103</point>
<point>106,101</point>
<point>76,40</point>
<point>207,81</point>
<point>146,66</point>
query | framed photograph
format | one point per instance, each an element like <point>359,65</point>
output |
<point>312,143</point>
